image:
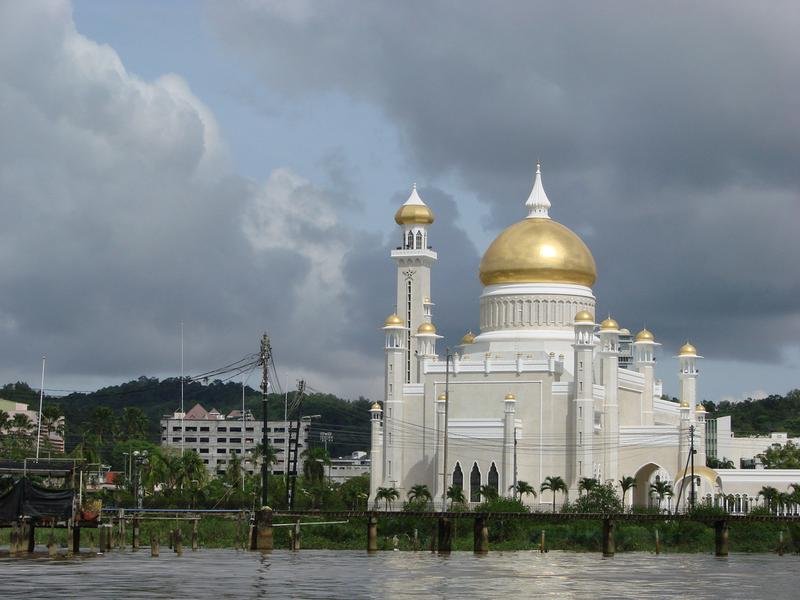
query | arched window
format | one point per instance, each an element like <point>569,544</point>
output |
<point>419,240</point>
<point>410,242</point>
<point>458,477</point>
<point>493,479</point>
<point>475,484</point>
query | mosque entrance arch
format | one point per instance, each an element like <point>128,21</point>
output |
<point>644,476</point>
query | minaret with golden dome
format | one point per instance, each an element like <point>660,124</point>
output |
<point>414,259</point>
<point>609,355</point>
<point>644,361</point>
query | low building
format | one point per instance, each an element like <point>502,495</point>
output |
<point>344,467</point>
<point>743,451</point>
<point>215,437</point>
<point>51,438</point>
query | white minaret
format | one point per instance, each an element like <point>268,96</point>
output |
<point>376,454</point>
<point>609,352</point>
<point>509,433</point>
<point>438,480</point>
<point>687,364</point>
<point>582,418</point>
<point>414,259</point>
<point>644,359</point>
<point>395,348</point>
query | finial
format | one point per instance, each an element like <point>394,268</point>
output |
<point>414,186</point>
<point>538,203</point>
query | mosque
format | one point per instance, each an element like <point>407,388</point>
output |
<point>542,390</point>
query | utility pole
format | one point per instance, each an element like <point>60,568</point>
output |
<point>691,459</point>
<point>515,461</point>
<point>41,399</point>
<point>446,411</point>
<point>266,350</point>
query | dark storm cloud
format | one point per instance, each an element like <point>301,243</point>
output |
<point>669,134</point>
<point>121,218</point>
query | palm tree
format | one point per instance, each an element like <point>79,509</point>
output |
<point>456,495</point>
<point>626,483</point>
<point>489,493</point>
<point>795,494</point>
<point>523,488</point>
<point>52,422</point>
<point>770,495</point>
<point>662,489</point>
<point>419,492</point>
<point>271,455</point>
<point>316,459</point>
<point>388,495</point>
<point>5,420</point>
<point>587,484</point>
<point>555,484</point>
<point>135,423</point>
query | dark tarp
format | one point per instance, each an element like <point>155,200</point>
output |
<point>30,500</point>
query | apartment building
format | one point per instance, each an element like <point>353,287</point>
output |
<point>216,436</point>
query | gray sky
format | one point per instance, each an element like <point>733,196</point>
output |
<point>236,166</point>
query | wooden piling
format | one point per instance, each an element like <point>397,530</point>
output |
<point>608,537</point>
<point>154,549</point>
<point>171,539</point>
<point>658,543</point>
<point>135,533</point>
<point>721,538</point>
<point>261,537</point>
<point>31,533</point>
<point>541,543</point>
<point>295,536</point>
<point>372,534</point>
<point>445,535</point>
<point>480,542</point>
<point>178,542</point>
<point>780,543</point>
<point>195,543</point>
<point>13,547</point>
<point>101,534</point>
<point>52,547</point>
<point>76,540</point>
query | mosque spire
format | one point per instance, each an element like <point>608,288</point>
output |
<point>538,203</point>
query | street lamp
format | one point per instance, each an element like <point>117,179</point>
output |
<point>141,459</point>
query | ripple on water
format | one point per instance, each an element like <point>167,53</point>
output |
<point>352,574</point>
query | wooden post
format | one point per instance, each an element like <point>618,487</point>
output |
<point>76,540</point>
<point>262,532</point>
<point>70,533</point>
<point>135,534</point>
<point>372,533</point>
<point>721,538</point>
<point>195,543</point>
<point>101,534</point>
<point>608,537</point>
<point>658,543</point>
<point>780,543</point>
<point>13,547</point>
<point>296,536</point>
<point>445,535</point>
<point>171,539</point>
<point>31,531</point>
<point>541,543</point>
<point>480,543</point>
<point>178,541</point>
<point>52,547</point>
<point>153,544</point>
<point>110,537</point>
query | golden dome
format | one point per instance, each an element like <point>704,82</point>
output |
<point>684,404</point>
<point>538,250</point>
<point>510,397</point>
<point>645,336</point>
<point>442,397</point>
<point>584,316</point>
<point>609,325</point>
<point>700,408</point>
<point>375,406</point>
<point>468,338</point>
<point>426,328</point>
<point>413,214</point>
<point>687,350</point>
<point>393,321</point>
<point>426,300</point>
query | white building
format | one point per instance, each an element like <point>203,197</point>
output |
<point>343,468</point>
<point>52,440</point>
<point>215,437</point>
<point>540,391</point>
<point>744,450</point>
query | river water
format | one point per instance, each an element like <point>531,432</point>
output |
<point>354,575</point>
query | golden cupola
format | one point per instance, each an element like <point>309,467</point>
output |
<point>538,249</point>
<point>414,211</point>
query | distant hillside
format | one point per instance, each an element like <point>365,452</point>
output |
<point>760,417</point>
<point>347,420</point>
